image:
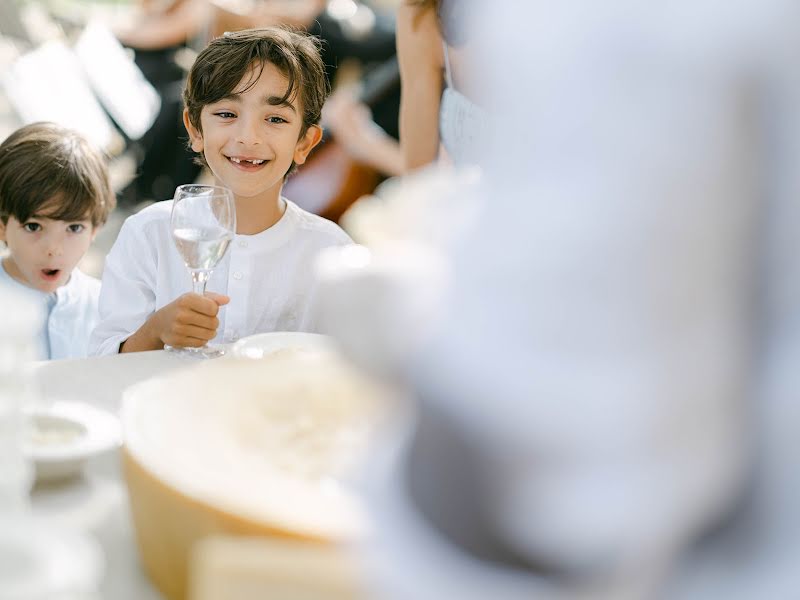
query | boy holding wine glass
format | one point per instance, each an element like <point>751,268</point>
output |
<point>252,106</point>
<point>54,196</point>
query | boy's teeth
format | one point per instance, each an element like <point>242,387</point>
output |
<point>252,162</point>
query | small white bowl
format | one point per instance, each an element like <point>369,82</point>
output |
<point>60,438</point>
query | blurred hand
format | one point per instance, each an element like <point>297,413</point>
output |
<point>351,123</point>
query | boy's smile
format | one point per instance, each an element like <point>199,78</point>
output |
<point>250,138</point>
<point>43,251</point>
<point>246,163</point>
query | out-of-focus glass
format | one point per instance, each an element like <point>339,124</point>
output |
<point>37,561</point>
<point>20,320</point>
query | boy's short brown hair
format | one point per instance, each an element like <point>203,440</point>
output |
<point>222,65</point>
<point>46,166</point>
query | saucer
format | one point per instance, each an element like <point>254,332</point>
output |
<point>60,438</point>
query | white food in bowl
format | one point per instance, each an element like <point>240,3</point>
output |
<point>53,430</point>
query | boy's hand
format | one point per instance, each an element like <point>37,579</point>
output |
<point>190,321</point>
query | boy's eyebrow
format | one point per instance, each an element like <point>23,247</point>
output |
<point>278,101</point>
<point>52,217</point>
<point>270,100</point>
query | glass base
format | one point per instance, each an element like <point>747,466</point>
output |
<point>202,352</point>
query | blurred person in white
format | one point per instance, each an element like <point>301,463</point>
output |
<point>439,113</point>
<point>609,406</point>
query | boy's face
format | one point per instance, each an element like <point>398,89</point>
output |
<point>249,143</point>
<point>43,252</point>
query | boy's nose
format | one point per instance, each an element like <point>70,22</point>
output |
<point>248,133</point>
<point>54,249</point>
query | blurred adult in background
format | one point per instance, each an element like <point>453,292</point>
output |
<point>440,117</point>
<point>439,110</point>
<point>608,407</point>
<point>159,32</point>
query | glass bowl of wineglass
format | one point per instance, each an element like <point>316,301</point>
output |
<point>203,223</point>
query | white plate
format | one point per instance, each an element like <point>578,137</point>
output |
<point>262,344</point>
<point>61,437</point>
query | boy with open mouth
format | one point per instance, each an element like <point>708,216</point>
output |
<point>54,196</point>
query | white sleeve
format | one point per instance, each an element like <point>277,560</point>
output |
<point>127,293</point>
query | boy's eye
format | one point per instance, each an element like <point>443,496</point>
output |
<point>32,227</point>
<point>276,120</point>
<point>76,227</point>
<point>224,114</point>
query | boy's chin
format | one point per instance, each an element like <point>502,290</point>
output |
<point>258,194</point>
<point>254,189</point>
<point>49,286</point>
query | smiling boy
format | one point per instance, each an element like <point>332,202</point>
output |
<point>252,106</point>
<point>54,195</point>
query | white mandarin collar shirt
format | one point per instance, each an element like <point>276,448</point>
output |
<point>268,276</point>
<point>71,313</point>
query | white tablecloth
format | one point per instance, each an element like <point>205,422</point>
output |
<point>97,503</point>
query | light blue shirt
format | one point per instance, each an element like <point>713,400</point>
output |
<point>70,314</point>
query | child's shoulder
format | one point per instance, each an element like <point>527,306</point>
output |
<point>84,279</point>
<point>315,225</point>
<point>82,287</point>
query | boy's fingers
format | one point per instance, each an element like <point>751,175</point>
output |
<point>196,319</point>
<point>220,299</point>
<point>205,305</point>
<point>197,332</point>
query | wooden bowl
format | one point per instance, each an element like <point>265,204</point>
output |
<point>245,447</point>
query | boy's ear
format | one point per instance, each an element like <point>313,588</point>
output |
<point>305,144</point>
<point>194,135</point>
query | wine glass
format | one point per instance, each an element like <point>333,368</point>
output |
<point>203,223</point>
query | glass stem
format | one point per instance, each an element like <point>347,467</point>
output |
<point>199,280</point>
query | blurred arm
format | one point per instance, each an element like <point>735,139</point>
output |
<point>295,13</point>
<point>153,29</point>
<point>352,125</point>
<point>419,51</point>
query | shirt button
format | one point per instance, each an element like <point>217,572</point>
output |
<point>238,275</point>
<point>234,336</point>
<point>242,243</point>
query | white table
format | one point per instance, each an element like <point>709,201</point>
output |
<point>97,503</point>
